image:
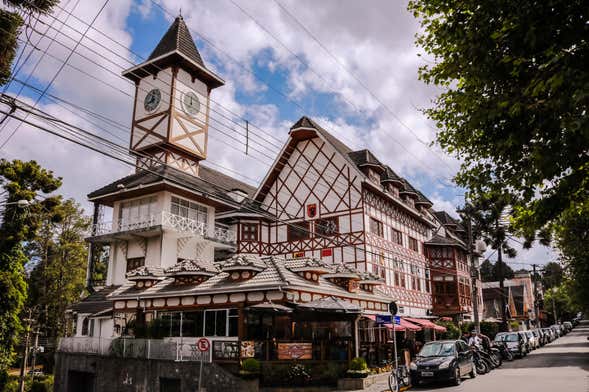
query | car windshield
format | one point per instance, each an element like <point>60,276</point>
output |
<point>510,338</point>
<point>437,349</point>
<point>500,338</point>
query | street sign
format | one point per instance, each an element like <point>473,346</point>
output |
<point>397,320</point>
<point>384,319</point>
<point>393,308</point>
<point>203,344</point>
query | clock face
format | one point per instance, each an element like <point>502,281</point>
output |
<point>190,103</point>
<point>152,100</point>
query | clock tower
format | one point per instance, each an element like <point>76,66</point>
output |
<point>171,108</point>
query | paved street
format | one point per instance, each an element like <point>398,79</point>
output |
<point>562,365</point>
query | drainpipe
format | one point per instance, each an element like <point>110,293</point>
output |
<point>91,251</point>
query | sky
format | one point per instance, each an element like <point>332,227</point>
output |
<point>353,68</point>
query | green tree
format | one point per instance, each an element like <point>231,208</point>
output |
<point>514,106</point>
<point>552,275</point>
<point>572,238</point>
<point>10,25</point>
<point>59,255</point>
<point>19,223</point>
<point>490,272</point>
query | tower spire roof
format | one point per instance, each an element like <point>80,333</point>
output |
<point>177,38</point>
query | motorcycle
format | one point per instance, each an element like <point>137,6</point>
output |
<point>503,350</point>
<point>480,364</point>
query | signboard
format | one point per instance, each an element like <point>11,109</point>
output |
<point>247,349</point>
<point>295,351</point>
<point>397,320</point>
<point>384,319</point>
<point>203,344</point>
<point>298,255</point>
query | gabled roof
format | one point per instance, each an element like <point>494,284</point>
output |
<point>176,48</point>
<point>210,182</point>
<point>444,241</point>
<point>445,218</point>
<point>177,38</point>
<point>96,302</point>
<point>390,175</point>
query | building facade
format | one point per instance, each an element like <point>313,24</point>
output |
<point>295,269</point>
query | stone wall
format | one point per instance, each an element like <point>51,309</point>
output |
<point>92,373</point>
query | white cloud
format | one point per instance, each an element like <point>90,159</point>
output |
<point>375,42</point>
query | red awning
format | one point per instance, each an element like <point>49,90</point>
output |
<point>410,326</point>
<point>427,324</point>
<point>404,326</point>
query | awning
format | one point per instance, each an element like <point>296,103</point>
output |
<point>427,324</point>
<point>410,326</point>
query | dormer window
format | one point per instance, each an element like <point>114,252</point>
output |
<point>243,267</point>
<point>308,268</point>
<point>345,277</point>
<point>134,263</point>
<point>187,271</point>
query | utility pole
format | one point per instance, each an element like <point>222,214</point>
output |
<point>473,272</point>
<point>554,304</point>
<point>23,367</point>
<point>35,349</point>
<point>536,307</point>
<point>501,281</point>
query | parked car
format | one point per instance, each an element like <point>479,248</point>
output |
<point>442,360</point>
<point>557,329</point>
<point>550,333</point>
<point>539,337</point>
<point>533,342</point>
<point>568,325</point>
<point>515,342</point>
<point>526,342</point>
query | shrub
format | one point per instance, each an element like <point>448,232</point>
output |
<point>42,385</point>
<point>299,374</point>
<point>452,331</point>
<point>489,329</point>
<point>358,363</point>
<point>250,365</point>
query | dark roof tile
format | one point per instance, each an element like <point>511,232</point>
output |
<point>177,38</point>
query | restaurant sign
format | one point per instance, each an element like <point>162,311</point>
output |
<point>295,351</point>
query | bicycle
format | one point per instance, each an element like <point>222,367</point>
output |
<point>399,379</point>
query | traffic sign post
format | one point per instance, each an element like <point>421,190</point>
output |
<point>203,346</point>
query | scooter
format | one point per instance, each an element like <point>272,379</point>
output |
<point>503,350</point>
<point>480,364</point>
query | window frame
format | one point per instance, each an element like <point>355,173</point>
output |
<point>379,226</point>
<point>250,235</point>
<point>301,227</point>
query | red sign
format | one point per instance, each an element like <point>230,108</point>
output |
<point>298,255</point>
<point>203,344</point>
<point>311,210</point>
<point>326,252</point>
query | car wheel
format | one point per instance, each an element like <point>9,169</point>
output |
<point>457,379</point>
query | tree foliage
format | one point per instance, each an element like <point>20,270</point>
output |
<point>516,97</point>
<point>19,224</point>
<point>10,26</point>
<point>490,272</point>
<point>572,238</point>
<point>552,275</point>
<point>59,256</point>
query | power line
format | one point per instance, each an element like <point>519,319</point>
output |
<point>59,70</point>
<point>372,94</point>
<point>117,155</point>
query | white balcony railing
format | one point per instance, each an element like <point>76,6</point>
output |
<point>167,220</point>
<point>172,349</point>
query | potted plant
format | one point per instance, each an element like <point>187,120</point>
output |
<point>358,368</point>
<point>250,368</point>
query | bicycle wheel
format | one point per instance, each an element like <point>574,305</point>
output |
<point>393,382</point>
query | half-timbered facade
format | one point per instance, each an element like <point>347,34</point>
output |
<point>323,200</point>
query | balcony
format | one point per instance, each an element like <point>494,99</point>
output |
<point>154,225</point>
